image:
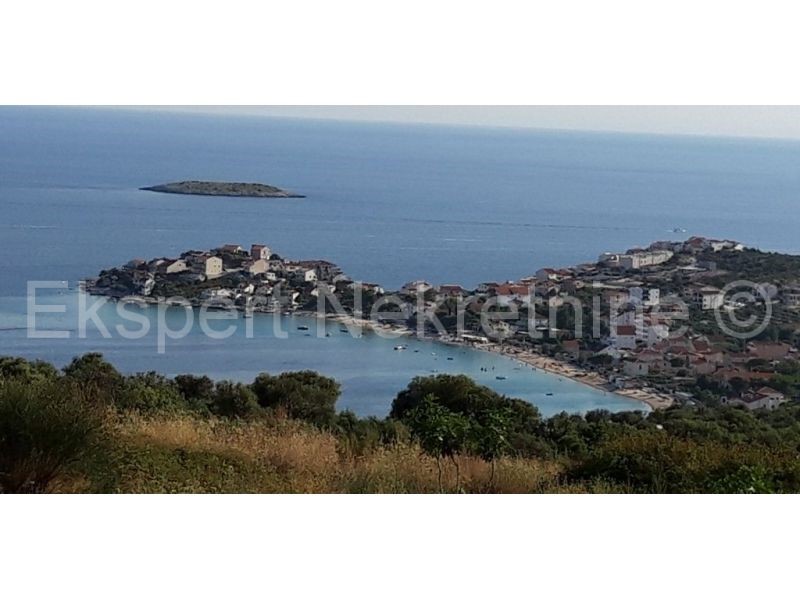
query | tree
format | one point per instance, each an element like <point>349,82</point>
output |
<point>490,437</point>
<point>197,391</point>
<point>149,392</point>
<point>45,428</point>
<point>97,377</point>
<point>461,395</point>
<point>234,400</point>
<point>441,433</point>
<point>25,371</point>
<point>304,395</point>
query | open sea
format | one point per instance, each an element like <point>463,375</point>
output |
<point>389,203</point>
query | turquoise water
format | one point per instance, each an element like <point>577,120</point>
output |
<point>388,203</point>
<point>370,370</point>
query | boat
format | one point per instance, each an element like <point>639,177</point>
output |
<point>501,377</point>
<point>449,358</point>
<point>400,347</point>
<point>344,330</point>
<point>549,394</point>
<point>302,327</point>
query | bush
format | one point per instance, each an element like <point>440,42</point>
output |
<point>45,429</point>
<point>234,400</point>
<point>656,462</point>
<point>197,391</point>
<point>97,378</point>
<point>305,395</point>
<point>461,395</point>
<point>359,436</point>
<point>24,371</point>
<point>149,392</point>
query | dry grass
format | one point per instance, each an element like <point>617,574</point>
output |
<point>190,454</point>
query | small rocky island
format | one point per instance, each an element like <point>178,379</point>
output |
<point>222,188</point>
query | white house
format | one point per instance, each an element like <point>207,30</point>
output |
<point>416,287</point>
<point>708,297</point>
<point>302,273</point>
<point>256,267</point>
<point>764,397</point>
<point>624,336</point>
<point>790,296</point>
<point>645,296</point>
<point>635,368</point>
<point>171,267</point>
<point>260,252</point>
<point>635,259</point>
<point>212,267</point>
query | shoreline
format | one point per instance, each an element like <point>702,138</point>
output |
<point>654,400</point>
<point>552,366</point>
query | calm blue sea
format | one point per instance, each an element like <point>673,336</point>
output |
<point>389,203</point>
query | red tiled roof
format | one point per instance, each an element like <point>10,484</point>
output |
<point>511,290</point>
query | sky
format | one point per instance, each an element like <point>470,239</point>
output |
<point>739,121</point>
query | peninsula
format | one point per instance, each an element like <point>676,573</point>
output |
<point>653,333</point>
<point>222,188</point>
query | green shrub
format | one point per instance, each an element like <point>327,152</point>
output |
<point>234,400</point>
<point>45,429</point>
<point>25,371</point>
<point>148,393</point>
<point>305,395</point>
<point>463,396</point>
<point>197,391</point>
<point>653,461</point>
<point>360,436</point>
<point>97,378</point>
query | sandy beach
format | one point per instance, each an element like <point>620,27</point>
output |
<point>654,400</point>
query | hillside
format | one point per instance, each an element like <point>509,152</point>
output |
<point>89,428</point>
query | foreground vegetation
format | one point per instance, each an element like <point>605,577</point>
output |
<point>88,428</point>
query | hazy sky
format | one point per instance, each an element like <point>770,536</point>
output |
<point>748,121</point>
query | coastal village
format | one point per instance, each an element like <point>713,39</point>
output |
<point>649,329</point>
